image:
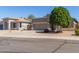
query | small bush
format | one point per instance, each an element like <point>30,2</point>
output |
<point>77,31</point>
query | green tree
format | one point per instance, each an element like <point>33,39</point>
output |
<point>60,16</point>
<point>31,16</point>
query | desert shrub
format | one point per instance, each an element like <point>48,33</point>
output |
<point>77,31</point>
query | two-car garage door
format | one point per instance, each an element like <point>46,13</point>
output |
<point>40,26</point>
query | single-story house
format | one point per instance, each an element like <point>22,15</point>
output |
<point>10,23</point>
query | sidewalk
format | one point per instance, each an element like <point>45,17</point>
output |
<point>67,35</point>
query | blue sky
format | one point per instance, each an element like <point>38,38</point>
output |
<point>37,11</point>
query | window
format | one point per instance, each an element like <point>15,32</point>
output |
<point>14,25</point>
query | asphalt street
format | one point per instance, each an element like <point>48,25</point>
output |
<point>29,45</point>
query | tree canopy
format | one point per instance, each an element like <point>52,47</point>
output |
<point>31,16</point>
<point>60,16</point>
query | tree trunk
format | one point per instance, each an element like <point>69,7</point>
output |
<point>58,28</point>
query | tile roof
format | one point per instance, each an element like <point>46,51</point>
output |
<point>41,20</point>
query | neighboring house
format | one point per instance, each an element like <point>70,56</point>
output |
<point>10,23</point>
<point>40,23</point>
<point>74,23</point>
